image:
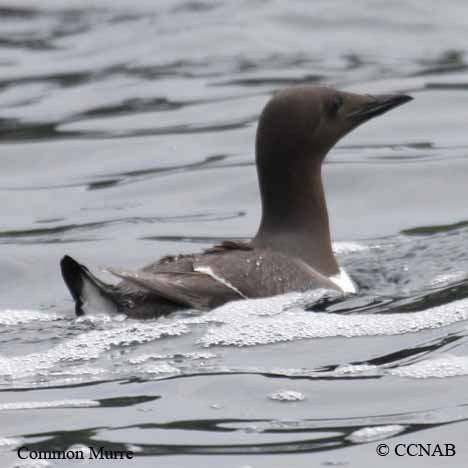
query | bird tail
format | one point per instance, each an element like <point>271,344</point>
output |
<point>87,291</point>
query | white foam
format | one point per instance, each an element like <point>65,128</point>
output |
<point>370,434</point>
<point>352,369</point>
<point>17,316</point>
<point>287,395</point>
<point>28,405</point>
<point>269,306</point>
<point>134,448</point>
<point>32,464</point>
<point>87,346</point>
<point>442,367</point>
<point>146,357</point>
<point>160,368</point>
<point>241,323</point>
<point>255,322</point>
<point>61,382</point>
<point>96,318</point>
<point>77,371</point>
<point>7,443</point>
<point>191,355</point>
<point>446,366</point>
<point>343,248</point>
<point>442,280</point>
<point>85,450</point>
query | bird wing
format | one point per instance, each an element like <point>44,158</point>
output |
<point>191,289</point>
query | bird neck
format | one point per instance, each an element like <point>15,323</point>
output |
<point>295,217</point>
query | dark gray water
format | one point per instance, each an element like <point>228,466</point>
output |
<point>126,133</point>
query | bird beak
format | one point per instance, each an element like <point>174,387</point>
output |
<point>376,105</point>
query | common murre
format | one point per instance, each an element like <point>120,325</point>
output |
<point>292,249</point>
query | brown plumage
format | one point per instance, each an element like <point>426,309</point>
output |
<point>292,249</point>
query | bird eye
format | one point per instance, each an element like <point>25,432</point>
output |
<point>335,104</point>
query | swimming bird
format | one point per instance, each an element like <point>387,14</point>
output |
<point>292,248</point>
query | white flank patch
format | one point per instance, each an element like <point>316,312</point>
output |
<point>93,299</point>
<point>343,281</point>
